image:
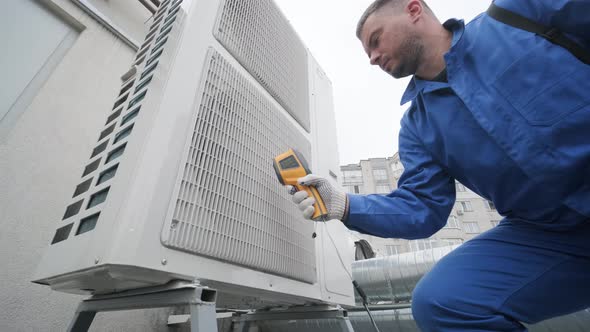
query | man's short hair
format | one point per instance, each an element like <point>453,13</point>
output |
<point>375,6</point>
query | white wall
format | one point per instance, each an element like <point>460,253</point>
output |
<point>44,148</point>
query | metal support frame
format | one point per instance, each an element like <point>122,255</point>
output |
<point>334,313</point>
<point>380,307</point>
<point>201,301</point>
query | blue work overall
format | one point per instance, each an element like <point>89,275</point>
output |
<point>512,123</point>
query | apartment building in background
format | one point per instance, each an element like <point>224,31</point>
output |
<point>471,215</point>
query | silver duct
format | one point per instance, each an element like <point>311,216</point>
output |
<point>393,278</point>
<point>387,320</point>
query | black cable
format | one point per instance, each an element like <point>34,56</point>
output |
<point>354,283</point>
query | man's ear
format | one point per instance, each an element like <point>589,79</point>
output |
<point>414,9</point>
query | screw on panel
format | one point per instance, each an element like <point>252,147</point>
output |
<point>164,261</point>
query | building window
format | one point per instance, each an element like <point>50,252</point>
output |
<point>382,189</point>
<point>353,189</point>
<point>392,249</point>
<point>380,174</point>
<point>490,205</point>
<point>421,244</point>
<point>397,169</point>
<point>459,187</point>
<point>465,206</point>
<point>352,176</point>
<point>495,223</point>
<point>471,227</point>
<point>452,242</point>
<point>452,222</point>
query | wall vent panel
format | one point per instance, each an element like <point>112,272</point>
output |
<point>230,205</point>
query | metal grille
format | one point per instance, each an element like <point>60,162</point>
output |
<point>258,35</point>
<point>230,205</point>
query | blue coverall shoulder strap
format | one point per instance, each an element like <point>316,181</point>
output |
<point>552,34</point>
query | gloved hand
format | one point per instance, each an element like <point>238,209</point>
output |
<point>335,200</point>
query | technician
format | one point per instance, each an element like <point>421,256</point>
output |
<point>506,112</point>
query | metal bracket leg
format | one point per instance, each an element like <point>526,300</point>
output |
<point>82,320</point>
<point>201,318</point>
<point>200,299</point>
<point>308,318</point>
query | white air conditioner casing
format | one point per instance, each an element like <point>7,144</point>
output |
<point>181,184</point>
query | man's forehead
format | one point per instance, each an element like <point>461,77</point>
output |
<point>372,24</point>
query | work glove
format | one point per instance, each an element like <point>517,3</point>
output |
<point>335,200</point>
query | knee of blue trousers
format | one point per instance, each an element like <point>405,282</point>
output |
<point>426,299</point>
<point>437,305</point>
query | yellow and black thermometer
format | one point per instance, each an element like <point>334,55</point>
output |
<point>291,166</point>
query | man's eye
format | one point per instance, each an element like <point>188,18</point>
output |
<point>374,42</point>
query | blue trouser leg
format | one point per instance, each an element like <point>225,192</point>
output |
<point>513,273</point>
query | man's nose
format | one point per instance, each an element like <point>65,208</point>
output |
<point>374,58</point>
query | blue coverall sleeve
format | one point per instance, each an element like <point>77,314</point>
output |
<point>417,209</point>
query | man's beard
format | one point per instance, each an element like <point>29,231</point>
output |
<point>410,53</point>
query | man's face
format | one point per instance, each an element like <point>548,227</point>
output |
<point>390,43</point>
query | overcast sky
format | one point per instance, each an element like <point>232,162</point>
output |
<point>366,100</point>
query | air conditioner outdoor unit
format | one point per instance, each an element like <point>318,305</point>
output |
<point>180,184</point>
